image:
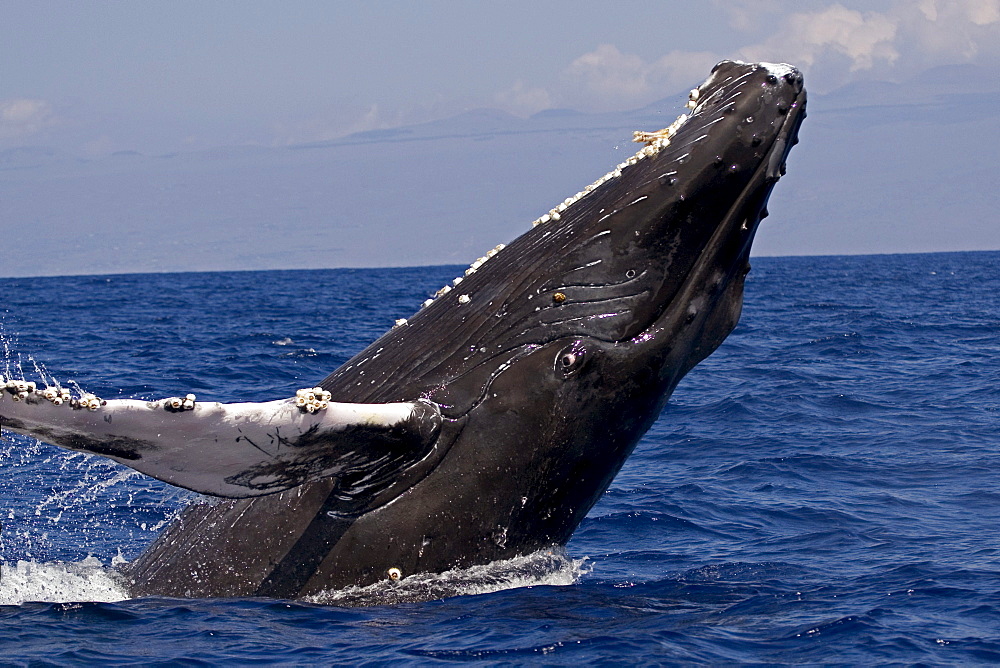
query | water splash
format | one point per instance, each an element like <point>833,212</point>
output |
<point>546,567</point>
<point>60,582</point>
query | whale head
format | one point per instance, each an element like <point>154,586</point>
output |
<point>551,356</point>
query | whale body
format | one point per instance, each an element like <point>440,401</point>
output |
<point>488,424</point>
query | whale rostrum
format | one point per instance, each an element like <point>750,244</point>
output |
<point>486,425</point>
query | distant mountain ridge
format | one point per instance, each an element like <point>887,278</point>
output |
<point>882,167</point>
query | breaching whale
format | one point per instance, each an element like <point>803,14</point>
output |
<point>488,424</point>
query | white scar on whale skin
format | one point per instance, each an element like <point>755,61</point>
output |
<point>207,447</point>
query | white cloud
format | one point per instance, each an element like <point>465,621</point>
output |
<point>606,78</point>
<point>523,100</point>
<point>808,37</point>
<point>953,30</point>
<point>978,12</point>
<point>608,73</point>
<point>23,117</point>
<point>838,43</point>
<point>834,42</point>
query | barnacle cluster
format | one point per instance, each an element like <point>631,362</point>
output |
<point>312,399</point>
<point>179,404</point>
<point>88,401</point>
<point>57,395</point>
<point>21,390</point>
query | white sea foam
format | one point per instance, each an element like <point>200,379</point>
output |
<point>59,582</point>
<point>545,567</point>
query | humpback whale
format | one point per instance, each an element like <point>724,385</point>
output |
<point>486,425</point>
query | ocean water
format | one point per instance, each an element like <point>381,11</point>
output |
<point>824,488</point>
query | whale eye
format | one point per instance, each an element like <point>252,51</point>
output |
<point>570,359</point>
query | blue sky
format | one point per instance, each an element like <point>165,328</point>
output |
<point>98,77</point>
<point>118,122</point>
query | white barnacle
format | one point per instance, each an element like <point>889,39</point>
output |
<point>443,291</point>
<point>555,215</point>
<point>428,303</point>
<point>693,98</point>
<point>464,299</point>
<point>457,280</point>
<point>400,322</point>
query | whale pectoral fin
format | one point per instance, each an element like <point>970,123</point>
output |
<point>233,450</point>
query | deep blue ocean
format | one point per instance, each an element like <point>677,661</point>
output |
<point>825,488</point>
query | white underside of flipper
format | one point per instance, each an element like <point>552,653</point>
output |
<point>233,450</point>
